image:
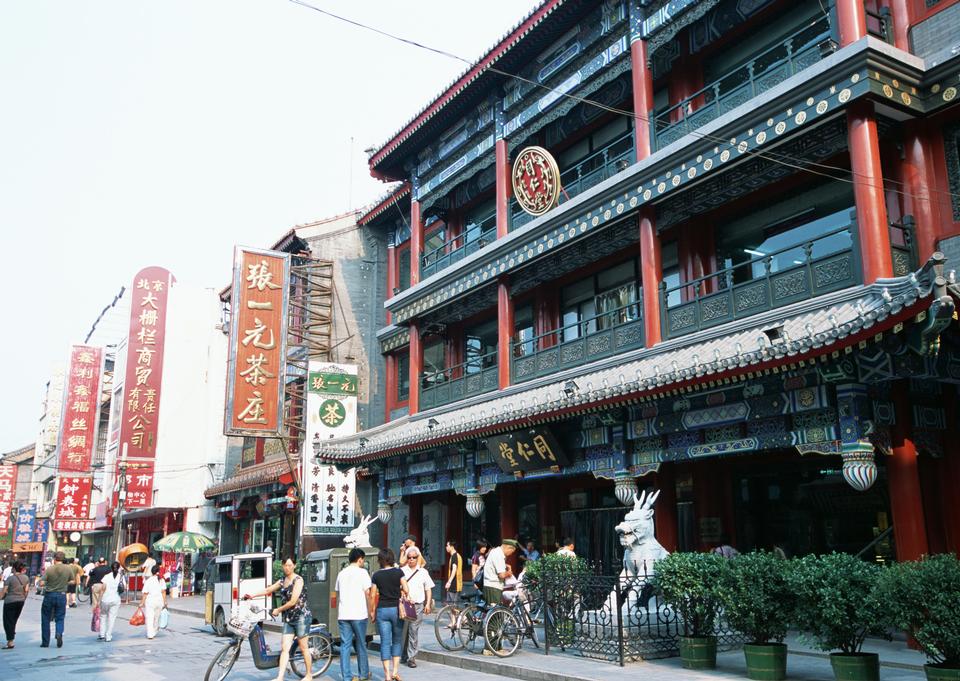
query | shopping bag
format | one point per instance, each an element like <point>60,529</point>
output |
<point>95,619</point>
<point>138,618</point>
<point>164,618</point>
<point>408,611</point>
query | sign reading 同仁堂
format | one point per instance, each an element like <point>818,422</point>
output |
<point>521,451</point>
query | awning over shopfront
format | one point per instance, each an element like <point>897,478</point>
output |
<point>800,334</point>
<point>268,475</point>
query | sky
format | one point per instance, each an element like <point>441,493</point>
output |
<point>136,133</point>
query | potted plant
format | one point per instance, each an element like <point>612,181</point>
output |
<point>837,607</point>
<point>758,603</point>
<point>692,583</point>
<point>923,599</point>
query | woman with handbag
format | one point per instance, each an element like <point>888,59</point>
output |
<point>110,601</point>
<point>14,594</point>
<point>389,587</point>
<point>153,600</point>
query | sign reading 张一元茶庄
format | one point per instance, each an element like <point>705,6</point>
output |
<point>256,366</point>
<point>526,450</point>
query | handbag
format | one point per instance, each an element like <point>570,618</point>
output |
<point>95,620</point>
<point>164,618</point>
<point>138,618</point>
<point>407,609</point>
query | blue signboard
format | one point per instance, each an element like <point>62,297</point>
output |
<point>26,519</point>
<point>41,530</point>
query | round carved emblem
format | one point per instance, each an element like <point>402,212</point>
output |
<point>332,413</point>
<point>536,180</point>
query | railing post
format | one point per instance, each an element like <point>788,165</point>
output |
<point>808,260</point>
<point>544,609</point>
<point>664,312</point>
<point>619,616</point>
<point>753,84</point>
<point>767,265</point>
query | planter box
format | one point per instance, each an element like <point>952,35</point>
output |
<point>698,652</point>
<point>855,666</point>
<point>766,661</point>
<point>936,672</point>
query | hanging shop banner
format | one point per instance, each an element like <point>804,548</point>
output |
<point>139,484</point>
<point>41,530</point>
<point>143,375</point>
<point>8,489</point>
<point>256,364</point>
<point>26,519</point>
<point>72,511</point>
<point>81,409</point>
<point>521,451</point>
<point>331,412</point>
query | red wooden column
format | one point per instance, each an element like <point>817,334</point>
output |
<point>642,97</point>
<point>416,367</point>
<point>390,385</point>
<point>909,527</point>
<point>872,225</point>
<point>900,13</point>
<point>416,242</point>
<point>852,20</point>
<point>651,272</point>
<point>918,173</point>
<point>504,332</point>
<point>504,187</point>
<point>508,520</point>
<point>665,510</point>
<point>950,480</point>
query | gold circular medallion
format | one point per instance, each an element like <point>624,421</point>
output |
<point>536,180</point>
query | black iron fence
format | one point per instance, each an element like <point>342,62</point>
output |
<point>614,618</point>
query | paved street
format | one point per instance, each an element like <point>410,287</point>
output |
<point>181,653</point>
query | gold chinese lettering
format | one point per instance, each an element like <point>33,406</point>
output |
<point>543,449</point>
<point>260,276</point>
<point>506,452</point>
<point>256,334</point>
<point>256,373</point>
<point>253,412</point>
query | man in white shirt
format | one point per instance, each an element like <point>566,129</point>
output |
<point>420,588</point>
<point>496,571</point>
<point>353,604</point>
<point>567,548</point>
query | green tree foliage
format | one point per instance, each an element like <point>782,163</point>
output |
<point>693,585</point>
<point>923,598</point>
<point>757,600</point>
<point>838,604</point>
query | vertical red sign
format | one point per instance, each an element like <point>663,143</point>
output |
<point>81,409</point>
<point>73,503</point>
<point>140,410</point>
<point>8,490</point>
<point>258,343</point>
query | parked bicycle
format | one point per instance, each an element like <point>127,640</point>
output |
<point>246,625</point>
<point>501,628</point>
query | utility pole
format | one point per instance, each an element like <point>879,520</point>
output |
<point>121,489</point>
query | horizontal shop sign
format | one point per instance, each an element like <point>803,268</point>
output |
<point>526,450</point>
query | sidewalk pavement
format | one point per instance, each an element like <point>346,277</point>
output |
<point>897,662</point>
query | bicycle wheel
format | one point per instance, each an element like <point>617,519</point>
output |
<point>321,653</point>
<point>502,631</point>
<point>224,661</point>
<point>446,627</point>
<point>83,596</point>
<point>470,627</point>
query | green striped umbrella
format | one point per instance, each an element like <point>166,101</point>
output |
<point>183,542</point>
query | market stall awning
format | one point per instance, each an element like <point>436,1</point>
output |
<point>266,473</point>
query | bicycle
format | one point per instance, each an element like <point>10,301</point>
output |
<point>246,625</point>
<point>460,626</point>
<point>504,628</point>
<point>82,593</point>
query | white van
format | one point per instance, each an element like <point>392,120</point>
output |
<point>228,579</point>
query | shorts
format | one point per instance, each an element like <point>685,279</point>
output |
<point>299,627</point>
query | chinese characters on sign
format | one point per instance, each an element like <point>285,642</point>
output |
<point>258,342</point>
<point>8,488</point>
<point>329,494</point>
<point>536,180</point>
<point>26,517</point>
<point>81,409</point>
<point>140,406</point>
<point>526,450</point>
<point>73,503</point>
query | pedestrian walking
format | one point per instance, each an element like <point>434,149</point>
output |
<point>112,583</point>
<point>410,543</point>
<point>388,583</point>
<point>153,600</point>
<point>56,581</point>
<point>296,615</point>
<point>454,583</point>
<point>14,593</point>
<point>74,566</point>
<point>478,559</point>
<point>353,607</point>
<point>95,581</point>
<point>420,589</point>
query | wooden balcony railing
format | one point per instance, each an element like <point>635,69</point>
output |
<point>476,376</point>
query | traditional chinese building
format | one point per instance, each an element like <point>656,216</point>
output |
<point>684,245</point>
<point>335,312</point>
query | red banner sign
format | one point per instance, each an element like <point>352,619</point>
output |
<point>258,343</point>
<point>73,503</point>
<point>140,409</point>
<point>81,409</point>
<point>8,490</point>
<point>139,484</point>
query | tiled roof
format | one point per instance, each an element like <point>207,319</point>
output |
<point>254,476</point>
<point>390,197</point>
<point>491,57</point>
<point>810,328</point>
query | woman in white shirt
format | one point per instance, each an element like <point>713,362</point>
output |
<point>153,600</point>
<point>110,601</point>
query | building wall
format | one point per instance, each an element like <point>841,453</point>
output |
<point>190,440</point>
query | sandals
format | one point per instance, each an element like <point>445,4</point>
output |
<point>9,646</point>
